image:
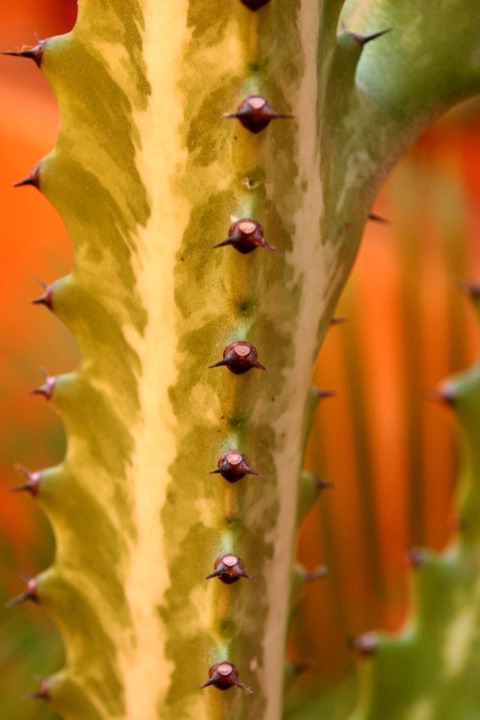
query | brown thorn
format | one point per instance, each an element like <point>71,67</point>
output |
<point>243,687</point>
<point>324,394</point>
<point>255,113</point>
<point>216,573</point>
<point>470,288</point>
<point>33,481</point>
<point>415,557</point>
<point>34,53</point>
<point>338,320</point>
<point>366,645</point>
<point>362,40</point>
<point>45,298</point>
<point>240,357</point>
<point>32,179</point>
<point>224,243</point>
<point>254,4</point>
<point>316,574</point>
<point>246,235</point>
<point>299,668</point>
<point>18,599</point>
<point>229,568</point>
<point>233,466</point>
<point>48,386</point>
<point>220,363</point>
<point>42,694</point>
<point>212,681</point>
<point>323,484</point>
<point>378,219</point>
<point>445,393</point>
<point>29,594</point>
<point>224,675</point>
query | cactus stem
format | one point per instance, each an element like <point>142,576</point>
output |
<point>33,481</point>
<point>32,179</point>
<point>255,113</point>
<point>223,676</point>
<point>240,357</point>
<point>30,593</point>
<point>34,53</point>
<point>230,568</point>
<point>234,466</point>
<point>48,386</point>
<point>45,298</point>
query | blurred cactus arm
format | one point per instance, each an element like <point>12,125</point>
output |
<point>427,670</point>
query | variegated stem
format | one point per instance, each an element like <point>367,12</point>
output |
<point>148,176</point>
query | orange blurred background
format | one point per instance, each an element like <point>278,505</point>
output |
<point>388,449</point>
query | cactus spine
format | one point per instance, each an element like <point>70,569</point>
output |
<point>149,175</point>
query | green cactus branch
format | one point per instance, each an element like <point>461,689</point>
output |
<point>177,134</point>
<point>428,670</point>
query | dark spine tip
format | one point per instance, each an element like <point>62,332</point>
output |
<point>32,179</point>
<point>445,393</point>
<point>471,289</point>
<point>254,4</point>
<point>43,693</point>
<point>34,53</point>
<point>415,557</point>
<point>33,481</point>
<point>317,574</point>
<point>45,298</point>
<point>324,394</point>
<point>377,218</point>
<point>48,386</point>
<point>340,320</point>
<point>29,594</point>
<point>224,243</point>
<point>298,668</point>
<point>362,40</point>
<point>255,113</point>
<point>212,681</point>
<point>220,363</point>
<point>323,484</point>
<point>366,645</point>
<point>223,676</point>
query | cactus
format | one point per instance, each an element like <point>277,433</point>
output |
<point>215,167</point>
<point>426,670</point>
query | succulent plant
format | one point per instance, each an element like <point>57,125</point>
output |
<point>166,149</point>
